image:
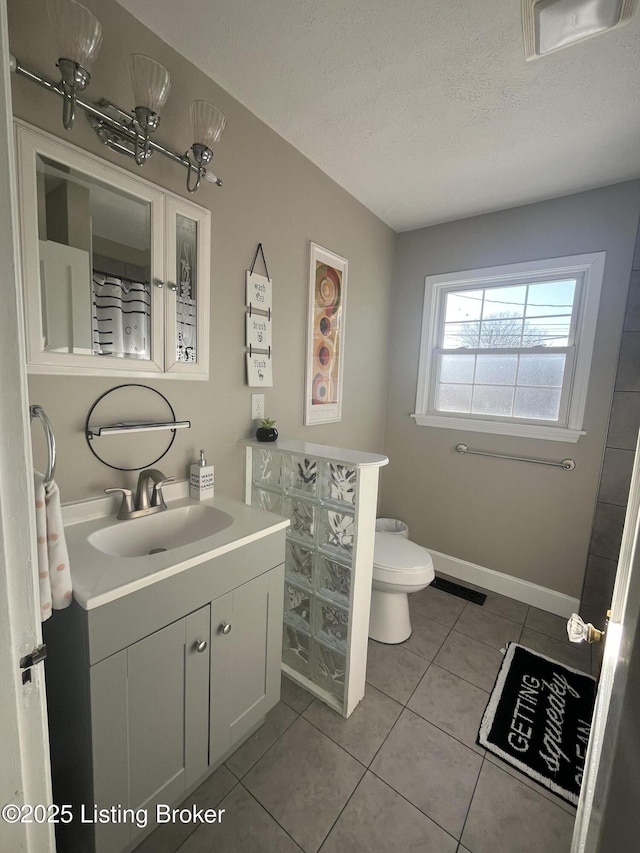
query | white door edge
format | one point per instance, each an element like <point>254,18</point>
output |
<point>25,774</point>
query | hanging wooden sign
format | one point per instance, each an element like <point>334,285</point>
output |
<point>258,331</point>
<point>259,371</point>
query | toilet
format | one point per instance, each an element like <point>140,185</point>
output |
<point>399,567</point>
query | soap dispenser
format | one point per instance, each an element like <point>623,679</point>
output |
<point>201,480</point>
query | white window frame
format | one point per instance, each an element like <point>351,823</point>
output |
<point>588,271</point>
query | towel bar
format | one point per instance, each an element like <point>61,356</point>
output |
<point>567,464</point>
<point>38,412</point>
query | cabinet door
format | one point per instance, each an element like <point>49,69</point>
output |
<point>149,710</point>
<point>188,288</point>
<point>245,661</point>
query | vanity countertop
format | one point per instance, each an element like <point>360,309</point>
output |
<point>100,577</point>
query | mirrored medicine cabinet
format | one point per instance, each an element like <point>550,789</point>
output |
<point>115,269</point>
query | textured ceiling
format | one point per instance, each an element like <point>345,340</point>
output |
<point>424,110</point>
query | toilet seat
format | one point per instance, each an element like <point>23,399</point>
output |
<point>397,560</point>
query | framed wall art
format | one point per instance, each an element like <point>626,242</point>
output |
<point>325,336</point>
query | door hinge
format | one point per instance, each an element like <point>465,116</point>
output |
<point>36,656</point>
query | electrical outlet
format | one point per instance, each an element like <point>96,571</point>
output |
<point>257,407</point>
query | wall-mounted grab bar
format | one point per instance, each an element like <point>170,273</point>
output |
<point>567,464</point>
<point>39,412</point>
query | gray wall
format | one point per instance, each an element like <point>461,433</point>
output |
<point>271,194</point>
<point>529,521</point>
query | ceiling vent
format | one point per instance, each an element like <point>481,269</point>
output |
<point>550,25</point>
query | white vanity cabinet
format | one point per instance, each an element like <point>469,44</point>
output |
<point>329,495</point>
<point>115,269</point>
<point>148,693</point>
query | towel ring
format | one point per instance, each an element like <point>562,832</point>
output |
<point>38,412</point>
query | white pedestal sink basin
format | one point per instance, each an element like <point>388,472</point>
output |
<point>162,531</point>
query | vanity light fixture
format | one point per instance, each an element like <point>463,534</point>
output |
<point>79,36</point>
<point>151,84</point>
<point>208,124</point>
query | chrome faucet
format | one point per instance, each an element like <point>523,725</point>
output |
<point>146,501</point>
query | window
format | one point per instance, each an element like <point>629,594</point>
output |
<point>508,350</point>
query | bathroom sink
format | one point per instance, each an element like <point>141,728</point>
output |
<point>160,532</point>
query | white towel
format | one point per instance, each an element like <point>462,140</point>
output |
<point>53,559</point>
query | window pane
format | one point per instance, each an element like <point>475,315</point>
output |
<point>461,335</point>
<point>547,332</point>
<point>541,370</point>
<point>506,333</point>
<point>454,398</point>
<point>504,302</point>
<point>492,400</point>
<point>496,369</point>
<point>542,403</point>
<point>457,368</point>
<point>463,305</point>
<point>552,297</point>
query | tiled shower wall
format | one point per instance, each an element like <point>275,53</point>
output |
<point>615,478</point>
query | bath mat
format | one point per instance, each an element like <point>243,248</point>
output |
<point>538,720</point>
<point>460,591</point>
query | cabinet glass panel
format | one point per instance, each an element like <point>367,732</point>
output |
<point>186,294</point>
<point>295,650</point>
<point>300,474</point>
<point>330,624</point>
<point>95,265</point>
<point>270,501</point>
<point>297,607</point>
<point>328,668</point>
<point>333,580</point>
<point>266,467</point>
<point>302,515</point>
<point>336,532</point>
<point>298,564</point>
<point>339,483</point>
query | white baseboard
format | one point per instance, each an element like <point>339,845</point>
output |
<point>529,593</point>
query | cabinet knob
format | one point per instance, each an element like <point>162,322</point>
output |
<point>225,627</point>
<point>158,283</point>
<point>173,287</point>
<point>200,645</point>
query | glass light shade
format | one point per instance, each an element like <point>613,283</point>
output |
<point>562,22</point>
<point>151,82</point>
<point>77,30</point>
<point>208,123</point>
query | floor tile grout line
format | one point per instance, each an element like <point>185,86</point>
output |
<point>475,788</point>
<point>536,787</point>
<point>273,818</point>
<point>445,732</point>
<point>400,794</point>
<point>490,613</point>
<point>259,758</point>
<point>339,815</point>
<point>469,637</point>
<point>343,748</point>
<point>236,782</point>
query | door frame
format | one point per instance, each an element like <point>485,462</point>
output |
<point>617,661</point>
<point>25,774</point>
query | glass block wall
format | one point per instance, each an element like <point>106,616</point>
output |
<point>319,498</point>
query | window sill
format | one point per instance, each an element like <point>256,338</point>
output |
<point>550,433</point>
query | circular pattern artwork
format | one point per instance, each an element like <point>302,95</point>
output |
<point>326,329</point>
<point>322,390</point>
<point>327,289</point>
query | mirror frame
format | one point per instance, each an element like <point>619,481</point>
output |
<point>30,142</point>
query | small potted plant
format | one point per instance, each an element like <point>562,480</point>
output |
<point>267,431</point>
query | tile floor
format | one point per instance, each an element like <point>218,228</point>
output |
<point>404,772</point>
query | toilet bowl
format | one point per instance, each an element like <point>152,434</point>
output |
<point>399,567</point>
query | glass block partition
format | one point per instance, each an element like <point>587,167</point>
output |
<point>329,496</point>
